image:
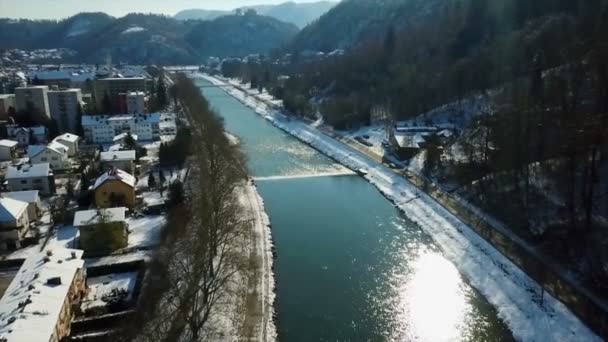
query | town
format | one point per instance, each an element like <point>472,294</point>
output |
<point>84,192</point>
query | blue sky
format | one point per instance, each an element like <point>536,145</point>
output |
<point>57,9</point>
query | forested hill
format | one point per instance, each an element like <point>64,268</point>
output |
<point>239,35</point>
<point>299,14</point>
<point>148,38</point>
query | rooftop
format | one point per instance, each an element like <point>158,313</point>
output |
<point>8,143</point>
<point>115,174</point>
<point>24,196</point>
<point>124,135</point>
<point>90,217</point>
<point>117,156</point>
<point>11,209</point>
<point>94,120</point>
<point>28,171</point>
<point>30,307</point>
<point>68,137</point>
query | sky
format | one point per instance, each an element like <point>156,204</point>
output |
<point>59,9</point>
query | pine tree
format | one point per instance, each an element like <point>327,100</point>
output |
<point>151,181</point>
<point>161,92</point>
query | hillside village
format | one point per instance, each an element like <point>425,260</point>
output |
<point>83,196</point>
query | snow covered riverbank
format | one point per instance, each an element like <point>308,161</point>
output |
<point>515,296</point>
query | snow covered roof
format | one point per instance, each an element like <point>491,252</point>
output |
<point>11,209</point>
<point>124,135</point>
<point>32,303</point>
<point>34,150</point>
<point>90,217</point>
<point>64,75</point>
<point>73,138</point>
<point>95,120</point>
<point>117,156</point>
<point>30,196</point>
<point>115,174</point>
<point>8,143</point>
<point>28,171</point>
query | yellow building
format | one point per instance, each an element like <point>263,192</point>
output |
<point>115,188</point>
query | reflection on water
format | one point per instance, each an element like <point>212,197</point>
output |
<point>432,303</point>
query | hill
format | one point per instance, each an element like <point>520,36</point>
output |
<point>299,14</point>
<point>148,38</point>
<point>238,35</point>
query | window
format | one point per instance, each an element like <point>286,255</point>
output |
<point>54,158</point>
<point>37,181</point>
<point>43,159</point>
<point>24,181</point>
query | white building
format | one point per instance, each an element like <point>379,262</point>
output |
<point>38,304</point>
<point>14,223</point>
<point>136,102</point>
<point>54,153</point>
<point>34,98</point>
<point>70,141</point>
<point>31,177</point>
<point>7,149</point>
<point>7,101</point>
<point>123,160</point>
<point>32,198</point>
<point>64,106</point>
<point>101,129</point>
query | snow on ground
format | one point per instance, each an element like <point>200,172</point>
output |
<point>118,259</point>
<point>513,293</point>
<point>145,231</point>
<point>102,286</point>
<point>133,29</point>
<point>376,134</point>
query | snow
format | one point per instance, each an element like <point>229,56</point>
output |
<point>118,259</point>
<point>145,231</point>
<point>134,29</point>
<point>513,293</point>
<point>102,286</point>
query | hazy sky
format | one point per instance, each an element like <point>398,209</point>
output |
<point>57,9</point>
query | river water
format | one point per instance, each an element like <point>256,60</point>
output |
<point>349,266</point>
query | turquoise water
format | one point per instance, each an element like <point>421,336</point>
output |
<point>349,266</point>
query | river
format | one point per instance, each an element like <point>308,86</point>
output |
<point>349,266</point>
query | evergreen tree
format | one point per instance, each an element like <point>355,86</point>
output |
<point>79,129</point>
<point>107,104</point>
<point>161,93</point>
<point>151,181</point>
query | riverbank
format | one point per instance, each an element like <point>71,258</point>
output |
<point>513,293</point>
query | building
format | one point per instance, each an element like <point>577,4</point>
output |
<point>65,78</point>
<point>113,86</point>
<point>123,160</point>
<point>14,223</point>
<point>65,108</point>
<point>19,134</point>
<point>114,223</point>
<point>32,198</point>
<point>38,305</point>
<point>136,102</point>
<point>54,153</point>
<point>7,105</point>
<point>33,98</point>
<point>31,177</point>
<point>70,141</point>
<point>101,129</point>
<point>115,188</point>
<point>8,149</point>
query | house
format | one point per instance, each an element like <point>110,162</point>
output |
<point>19,134</point>
<point>123,160</point>
<point>111,222</point>
<point>405,146</point>
<point>8,149</point>
<point>54,153</point>
<point>31,177</point>
<point>14,223</point>
<point>70,141</point>
<point>115,188</point>
<point>32,198</point>
<point>38,304</point>
<point>40,133</point>
<point>101,129</point>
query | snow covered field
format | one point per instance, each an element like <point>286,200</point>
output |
<point>514,295</point>
<point>145,231</point>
